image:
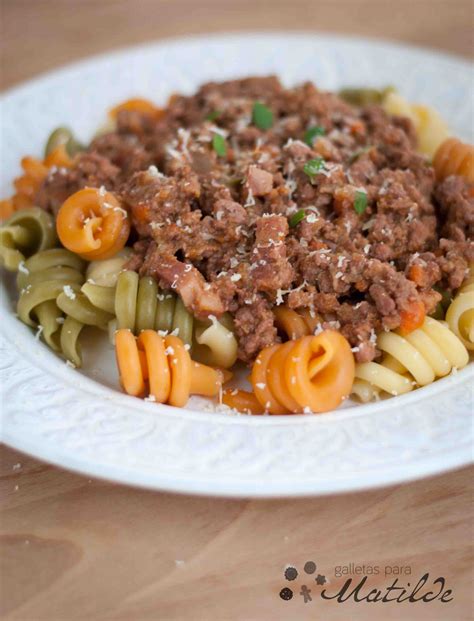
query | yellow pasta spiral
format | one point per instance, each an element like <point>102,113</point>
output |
<point>430,128</point>
<point>416,359</point>
<point>460,313</point>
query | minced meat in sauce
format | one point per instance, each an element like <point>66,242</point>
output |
<point>318,205</point>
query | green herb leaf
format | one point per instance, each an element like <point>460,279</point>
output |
<point>360,202</point>
<point>219,145</point>
<point>312,167</point>
<point>311,134</point>
<point>296,218</point>
<point>262,116</point>
<point>212,116</point>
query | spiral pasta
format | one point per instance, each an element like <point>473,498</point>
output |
<point>137,104</point>
<point>62,137</point>
<point>162,367</point>
<point>460,313</point>
<point>93,224</point>
<point>311,373</point>
<point>136,304</point>
<point>105,272</point>
<point>430,127</point>
<point>28,184</point>
<point>42,280</point>
<point>454,157</point>
<point>215,343</point>
<point>415,359</point>
<point>24,233</point>
<point>294,324</point>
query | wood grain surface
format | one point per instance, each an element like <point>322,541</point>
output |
<point>74,548</point>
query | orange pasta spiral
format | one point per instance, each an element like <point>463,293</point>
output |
<point>28,184</point>
<point>163,367</point>
<point>93,224</point>
<point>137,104</point>
<point>454,157</point>
<point>293,324</point>
<point>310,373</point>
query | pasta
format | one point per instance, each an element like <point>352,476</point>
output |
<point>291,323</point>
<point>62,137</point>
<point>215,343</point>
<point>105,272</point>
<point>454,157</point>
<point>137,305</point>
<point>137,104</point>
<point>44,277</point>
<point>460,313</point>
<point>75,304</point>
<point>162,367</point>
<point>430,128</point>
<point>312,373</point>
<point>93,224</point>
<point>412,360</point>
<point>28,184</point>
<point>24,233</point>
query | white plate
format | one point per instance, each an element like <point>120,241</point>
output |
<point>76,421</point>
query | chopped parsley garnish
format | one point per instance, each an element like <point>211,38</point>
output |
<point>219,145</point>
<point>314,166</point>
<point>296,218</point>
<point>262,116</point>
<point>312,133</point>
<point>360,202</point>
<point>212,116</point>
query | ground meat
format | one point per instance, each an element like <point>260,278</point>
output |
<point>456,204</point>
<point>270,267</point>
<point>123,150</point>
<point>350,224</point>
<point>200,297</point>
<point>156,200</point>
<point>89,169</point>
<point>255,329</point>
<point>259,181</point>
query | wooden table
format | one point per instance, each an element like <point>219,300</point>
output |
<point>74,548</point>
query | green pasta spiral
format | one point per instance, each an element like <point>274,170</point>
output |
<point>41,281</point>
<point>137,304</point>
<point>25,232</point>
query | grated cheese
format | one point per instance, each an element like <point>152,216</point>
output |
<point>69,293</point>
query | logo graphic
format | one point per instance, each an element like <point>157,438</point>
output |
<point>291,573</point>
<point>351,582</point>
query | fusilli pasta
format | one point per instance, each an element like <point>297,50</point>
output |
<point>460,313</point>
<point>430,127</point>
<point>24,233</point>
<point>138,305</point>
<point>415,359</point>
<point>162,367</point>
<point>454,157</point>
<point>215,343</point>
<point>41,281</point>
<point>311,373</point>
